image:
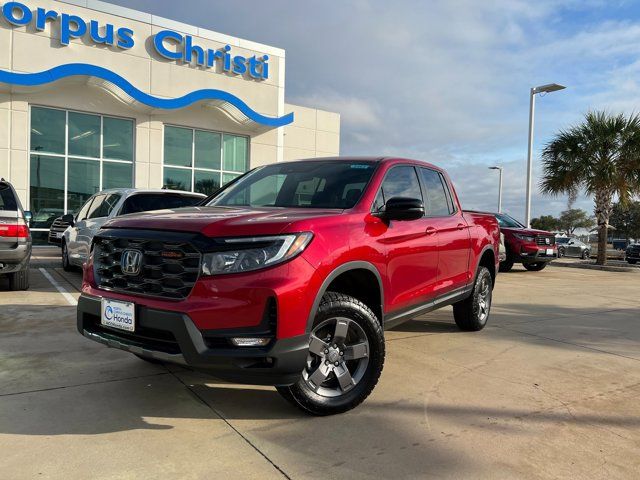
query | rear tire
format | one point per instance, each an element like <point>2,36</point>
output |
<point>19,280</point>
<point>506,266</point>
<point>346,356</point>
<point>472,313</point>
<point>560,252</point>
<point>535,267</point>
<point>66,265</point>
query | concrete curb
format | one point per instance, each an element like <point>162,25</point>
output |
<point>589,266</point>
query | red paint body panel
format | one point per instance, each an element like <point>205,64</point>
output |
<point>417,261</point>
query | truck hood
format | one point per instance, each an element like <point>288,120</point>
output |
<point>219,221</point>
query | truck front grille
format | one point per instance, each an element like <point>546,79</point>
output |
<point>169,269</point>
<point>545,240</point>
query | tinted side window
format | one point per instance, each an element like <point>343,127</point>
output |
<point>104,207</point>
<point>437,203</point>
<point>7,200</point>
<point>144,202</point>
<point>401,182</point>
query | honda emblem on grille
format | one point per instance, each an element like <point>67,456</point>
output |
<point>131,262</point>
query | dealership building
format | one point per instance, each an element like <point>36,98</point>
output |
<point>96,96</point>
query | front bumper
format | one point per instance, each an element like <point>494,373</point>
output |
<point>537,255</point>
<point>173,337</point>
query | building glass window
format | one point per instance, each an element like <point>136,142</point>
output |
<point>202,161</point>
<point>72,156</point>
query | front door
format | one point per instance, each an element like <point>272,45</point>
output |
<point>411,246</point>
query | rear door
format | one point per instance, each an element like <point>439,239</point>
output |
<point>454,244</point>
<point>8,217</point>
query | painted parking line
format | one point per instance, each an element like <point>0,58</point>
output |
<point>67,296</point>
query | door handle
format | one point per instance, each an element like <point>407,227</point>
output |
<point>461,226</point>
<point>430,231</point>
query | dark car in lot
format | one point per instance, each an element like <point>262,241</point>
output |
<point>15,238</point>
<point>632,253</point>
<point>572,247</point>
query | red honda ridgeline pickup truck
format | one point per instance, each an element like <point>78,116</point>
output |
<point>289,275</point>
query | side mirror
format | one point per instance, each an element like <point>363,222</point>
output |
<point>27,217</point>
<point>402,208</point>
<point>69,218</point>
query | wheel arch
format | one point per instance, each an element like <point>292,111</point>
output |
<point>348,278</point>
<point>487,258</point>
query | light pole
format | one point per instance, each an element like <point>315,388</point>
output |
<point>551,87</point>
<point>499,187</point>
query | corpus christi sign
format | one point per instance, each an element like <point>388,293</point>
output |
<point>169,44</point>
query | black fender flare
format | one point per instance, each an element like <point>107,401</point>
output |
<point>345,267</point>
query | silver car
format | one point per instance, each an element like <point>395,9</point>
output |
<point>572,247</point>
<point>75,241</point>
<point>15,238</point>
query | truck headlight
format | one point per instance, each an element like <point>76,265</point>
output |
<point>525,238</point>
<point>252,253</point>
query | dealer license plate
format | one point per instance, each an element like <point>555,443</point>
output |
<point>550,251</point>
<point>117,314</point>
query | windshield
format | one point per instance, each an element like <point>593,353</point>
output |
<point>144,202</point>
<point>306,184</point>
<point>508,222</point>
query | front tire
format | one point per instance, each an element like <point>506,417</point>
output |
<point>346,356</point>
<point>632,262</point>
<point>472,313</point>
<point>586,255</point>
<point>19,280</point>
<point>535,267</point>
<point>66,265</point>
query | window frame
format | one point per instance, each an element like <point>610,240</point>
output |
<point>66,156</point>
<point>445,188</point>
<point>379,191</point>
<point>192,168</point>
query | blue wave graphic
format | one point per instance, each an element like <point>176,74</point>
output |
<point>72,69</point>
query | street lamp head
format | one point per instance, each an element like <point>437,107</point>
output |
<point>495,168</point>
<point>551,87</point>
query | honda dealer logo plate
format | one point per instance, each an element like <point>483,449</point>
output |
<point>131,262</point>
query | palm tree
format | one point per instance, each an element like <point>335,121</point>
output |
<point>600,156</point>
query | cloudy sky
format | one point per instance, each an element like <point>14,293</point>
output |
<point>445,80</point>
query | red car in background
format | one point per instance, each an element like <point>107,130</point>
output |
<point>534,249</point>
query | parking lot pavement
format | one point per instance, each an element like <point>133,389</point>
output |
<point>549,390</point>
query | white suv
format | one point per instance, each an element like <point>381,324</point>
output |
<point>75,241</point>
